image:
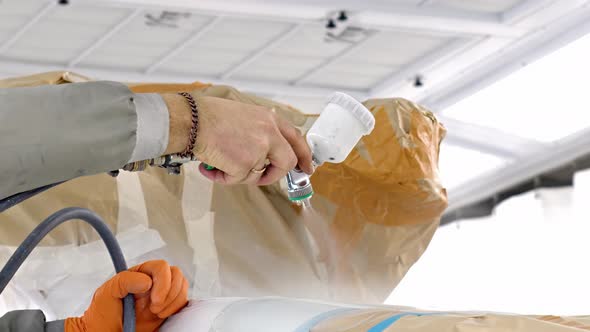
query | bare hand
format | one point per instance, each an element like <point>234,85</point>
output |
<point>237,138</point>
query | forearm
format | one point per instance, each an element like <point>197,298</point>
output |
<point>55,133</point>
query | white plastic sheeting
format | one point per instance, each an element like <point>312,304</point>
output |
<point>50,275</point>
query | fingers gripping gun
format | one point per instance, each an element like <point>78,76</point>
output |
<point>172,163</point>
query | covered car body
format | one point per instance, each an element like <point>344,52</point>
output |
<point>381,207</point>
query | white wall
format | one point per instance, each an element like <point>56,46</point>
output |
<point>531,256</point>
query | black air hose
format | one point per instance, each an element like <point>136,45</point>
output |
<point>56,219</point>
<point>13,200</point>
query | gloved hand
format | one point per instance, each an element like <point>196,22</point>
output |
<point>160,291</point>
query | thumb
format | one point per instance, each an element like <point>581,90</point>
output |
<point>105,311</point>
<point>129,282</point>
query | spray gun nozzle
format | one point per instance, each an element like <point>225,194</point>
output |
<point>299,187</point>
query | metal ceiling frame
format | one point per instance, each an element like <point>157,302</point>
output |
<point>531,158</point>
<point>519,55</point>
<point>373,14</point>
<point>489,140</point>
<point>560,153</point>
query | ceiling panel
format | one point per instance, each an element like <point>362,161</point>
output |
<point>345,80</point>
<point>88,15</point>
<point>352,75</point>
<point>409,2</point>
<point>356,67</point>
<point>210,63</point>
<point>147,38</point>
<point>20,7</point>
<point>111,60</point>
<point>10,24</point>
<point>250,29</point>
<point>309,41</point>
<point>395,48</point>
<point>277,68</point>
<point>381,56</point>
<point>227,44</point>
<point>16,13</point>
<point>64,32</point>
<point>292,58</point>
<point>487,6</point>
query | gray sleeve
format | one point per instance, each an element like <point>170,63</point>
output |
<point>55,326</point>
<point>55,133</point>
<point>153,124</point>
<point>28,321</point>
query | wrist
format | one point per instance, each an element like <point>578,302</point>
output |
<point>180,122</point>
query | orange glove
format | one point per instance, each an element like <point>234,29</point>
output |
<point>160,291</point>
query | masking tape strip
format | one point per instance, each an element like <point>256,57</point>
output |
<point>391,320</point>
<point>308,325</point>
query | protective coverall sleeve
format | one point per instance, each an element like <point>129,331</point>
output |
<point>28,321</point>
<point>54,133</point>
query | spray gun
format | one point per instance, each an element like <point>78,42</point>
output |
<point>331,138</point>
